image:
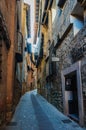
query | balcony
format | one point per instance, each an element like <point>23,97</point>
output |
<point>19,49</point>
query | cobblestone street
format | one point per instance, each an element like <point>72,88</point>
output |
<point>35,113</point>
<point>42,64</point>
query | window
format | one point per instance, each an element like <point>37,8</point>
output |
<point>53,67</point>
<point>61,3</point>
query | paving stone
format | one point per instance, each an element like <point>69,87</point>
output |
<point>35,113</point>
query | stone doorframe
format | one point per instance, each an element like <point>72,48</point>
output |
<point>75,67</point>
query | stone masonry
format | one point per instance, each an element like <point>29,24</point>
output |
<point>63,51</point>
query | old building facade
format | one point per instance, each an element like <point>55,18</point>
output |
<point>30,72</point>
<point>36,18</point>
<point>28,63</point>
<point>7,57</point>
<point>25,21</point>
<point>18,55</point>
<point>70,49</point>
<point>43,37</point>
<point>66,61</point>
<point>12,45</point>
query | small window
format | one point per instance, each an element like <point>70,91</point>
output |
<point>61,3</point>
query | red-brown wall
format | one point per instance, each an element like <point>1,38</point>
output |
<point>8,10</point>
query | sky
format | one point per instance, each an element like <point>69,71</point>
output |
<point>30,40</point>
<point>31,2</point>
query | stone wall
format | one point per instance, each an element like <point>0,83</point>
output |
<point>3,82</point>
<point>83,72</point>
<point>64,44</point>
<point>63,52</point>
<point>62,19</point>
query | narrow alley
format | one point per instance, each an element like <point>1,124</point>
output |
<point>35,113</point>
<point>42,64</point>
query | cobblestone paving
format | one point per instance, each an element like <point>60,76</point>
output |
<point>35,113</point>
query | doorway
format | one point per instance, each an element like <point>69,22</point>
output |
<point>72,95</point>
<point>72,92</point>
